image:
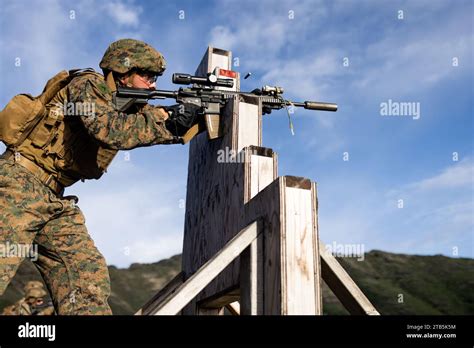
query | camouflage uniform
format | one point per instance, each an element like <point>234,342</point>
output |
<point>74,270</point>
<point>21,307</point>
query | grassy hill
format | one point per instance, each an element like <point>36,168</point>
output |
<point>395,284</point>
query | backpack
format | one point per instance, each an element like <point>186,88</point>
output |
<point>23,112</point>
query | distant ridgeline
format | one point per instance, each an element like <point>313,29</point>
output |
<point>394,283</point>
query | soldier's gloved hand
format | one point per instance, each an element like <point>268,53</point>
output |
<point>181,118</point>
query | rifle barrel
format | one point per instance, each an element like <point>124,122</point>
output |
<point>312,105</point>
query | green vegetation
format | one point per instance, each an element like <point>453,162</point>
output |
<point>426,284</point>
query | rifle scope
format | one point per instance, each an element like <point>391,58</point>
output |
<point>210,80</point>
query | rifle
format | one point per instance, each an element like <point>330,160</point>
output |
<point>204,94</point>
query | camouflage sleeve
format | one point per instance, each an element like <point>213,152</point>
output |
<point>116,129</point>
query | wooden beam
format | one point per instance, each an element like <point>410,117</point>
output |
<point>198,281</point>
<point>221,299</point>
<point>345,289</point>
<point>316,257</point>
<point>164,293</point>
<point>233,308</point>
<point>301,288</point>
<point>251,278</point>
<point>210,311</point>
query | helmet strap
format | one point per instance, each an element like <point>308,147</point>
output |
<point>130,76</point>
<point>111,82</point>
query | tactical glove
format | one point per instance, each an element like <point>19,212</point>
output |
<point>181,118</point>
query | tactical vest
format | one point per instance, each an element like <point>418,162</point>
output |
<point>59,142</point>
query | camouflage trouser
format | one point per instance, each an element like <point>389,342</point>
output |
<point>73,269</point>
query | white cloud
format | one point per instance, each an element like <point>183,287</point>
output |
<point>437,213</point>
<point>439,210</point>
<point>305,54</point>
<point>271,43</point>
<point>123,14</point>
<point>403,65</point>
<point>260,31</point>
<point>37,40</point>
<point>457,176</point>
<point>306,76</point>
<point>221,36</point>
<point>54,40</point>
<point>154,249</point>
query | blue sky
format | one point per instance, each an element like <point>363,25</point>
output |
<point>135,213</point>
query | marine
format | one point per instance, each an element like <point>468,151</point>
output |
<point>49,149</point>
<point>33,303</point>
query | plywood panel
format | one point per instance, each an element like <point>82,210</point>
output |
<point>289,231</point>
<point>248,116</point>
<point>298,253</point>
<point>262,173</point>
<point>220,58</point>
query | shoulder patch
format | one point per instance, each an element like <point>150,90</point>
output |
<point>103,87</point>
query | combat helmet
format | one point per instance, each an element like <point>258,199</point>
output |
<point>127,54</point>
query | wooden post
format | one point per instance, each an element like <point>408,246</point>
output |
<point>291,281</point>
<point>218,190</point>
<point>222,176</point>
